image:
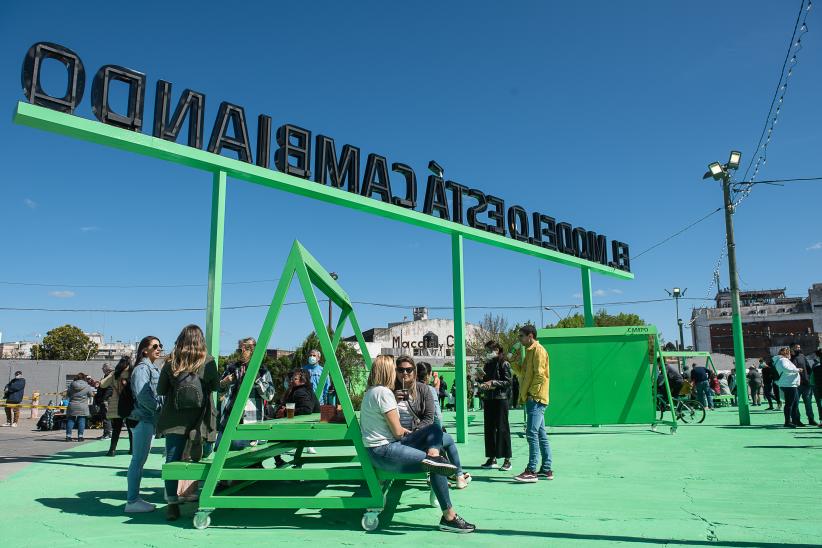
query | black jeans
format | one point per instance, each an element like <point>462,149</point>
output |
<point>116,426</point>
<point>791,408</point>
<point>806,394</point>
<point>497,430</point>
<point>817,393</point>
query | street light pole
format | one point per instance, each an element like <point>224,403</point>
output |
<point>677,294</point>
<point>723,174</point>
<point>739,346</point>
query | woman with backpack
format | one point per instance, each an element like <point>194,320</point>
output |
<point>188,380</point>
<point>78,394</point>
<point>143,418</point>
<point>117,381</point>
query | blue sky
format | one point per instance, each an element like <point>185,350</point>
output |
<point>602,113</point>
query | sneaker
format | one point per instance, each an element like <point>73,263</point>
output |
<point>172,512</point>
<point>438,465</point>
<point>505,466</point>
<point>139,506</point>
<point>799,424</point>
<point>490,463</point>
<point>104,437</point>
<point>110,454</point>
<point>456,525</point>
<point>310,451</point>
<point>68,438</point>
<point>81,439</point>
<point>462,481</point>
<point>812,423</point>
<point>7,424</point>
<point>14,425</point>
<point>527,477</point>
<point>546,474</point>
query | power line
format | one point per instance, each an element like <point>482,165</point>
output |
<point>130,286</point>
<point>675,234</point>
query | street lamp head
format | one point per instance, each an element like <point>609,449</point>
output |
<point>676,291</point>
<point>733,161</point>
<point>714,170</point>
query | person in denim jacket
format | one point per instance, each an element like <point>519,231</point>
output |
<point>143,418</point>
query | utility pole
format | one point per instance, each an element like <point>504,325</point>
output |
<point>541,308</point>
<point>722,173</point>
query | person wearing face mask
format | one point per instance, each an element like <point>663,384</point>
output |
<point>315,372</point>
<point>494,389</point>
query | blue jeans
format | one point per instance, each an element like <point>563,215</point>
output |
<point>81,426</point>
<point>175,444</point>
<point>451,452</point>
<point>705,395</point>
<point>536,436</point>
<point>406,456</point>
<point>806,393</point>
<point>791,407</point>
<point>142,436</point>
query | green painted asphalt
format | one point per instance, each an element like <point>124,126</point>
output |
<point>711,484</point>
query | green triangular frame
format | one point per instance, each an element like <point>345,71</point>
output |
<point>310,274</point>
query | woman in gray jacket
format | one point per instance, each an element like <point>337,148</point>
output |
<point>416,409</point>
<point>78,394</point>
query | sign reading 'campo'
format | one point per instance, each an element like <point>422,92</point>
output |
<point>294,156</point>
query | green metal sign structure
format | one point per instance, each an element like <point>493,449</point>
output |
<point>222,167</point>
<point>603,375</point>
<point>259,487</point>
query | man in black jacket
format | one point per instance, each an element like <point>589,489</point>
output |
<point>14,394</point>
<point>494,389</point>
<point>801,362</point>
<point>101,400</point>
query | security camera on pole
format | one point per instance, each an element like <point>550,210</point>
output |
<point>723,173</point>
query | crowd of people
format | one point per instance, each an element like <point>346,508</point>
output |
<point>790,377</point>
<point>400,417</point>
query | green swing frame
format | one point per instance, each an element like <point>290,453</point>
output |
<point>282,435</point>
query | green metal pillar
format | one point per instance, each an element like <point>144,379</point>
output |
<point>459,337</point>
<point>215,264</point>
<point>587,297</point>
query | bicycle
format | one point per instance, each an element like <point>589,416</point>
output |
<point>688,410</point>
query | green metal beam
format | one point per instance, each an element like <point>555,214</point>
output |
<point>587,297</point>
<point>215,263</point>
<point>458,291</point>
<point>96,132</point>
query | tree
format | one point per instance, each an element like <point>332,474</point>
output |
<point>492,327</point>
<point>601,319</point>
<point>66,343</point>
<point>351,362</point>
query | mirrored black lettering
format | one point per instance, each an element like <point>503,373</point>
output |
<point>410,200</point>
<point>518,223</point>
<point>549,230</point>
<point>328,169</point>
<point>376,178</point>
<point>496,215</point>
<point>263,140</point>
<point>294,155</point>
<point>597,248</point>
<point>191,104</point>
<point>30,77</point>
<point>235,115</point>
<point>565,238</point>
<point>435,200</point>
<point>579,238</point>
<point>477,209</point>
<point>457,190</point>
<point>101,87</point>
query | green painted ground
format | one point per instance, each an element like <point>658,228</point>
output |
<point>715,484</point>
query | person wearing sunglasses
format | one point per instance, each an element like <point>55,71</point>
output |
<point>417,409</point>
<point>143,418</point>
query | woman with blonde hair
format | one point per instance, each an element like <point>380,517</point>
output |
<point>396,449</point>
<point>188,380</point>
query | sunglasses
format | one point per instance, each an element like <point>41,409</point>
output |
<point>155,346</point>
<point>405,369</point>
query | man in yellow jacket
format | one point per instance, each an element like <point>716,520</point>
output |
<point>534,375</point>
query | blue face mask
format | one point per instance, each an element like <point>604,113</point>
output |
<point>312,360</point>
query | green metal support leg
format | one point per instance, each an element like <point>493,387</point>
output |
<point>459,337</point>
<point>587,298</point>
<point>215,264</point>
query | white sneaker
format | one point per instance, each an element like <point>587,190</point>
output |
<point>139,506</point>
<point>310,450</point>
<point>14,425</point>
<point>7,424</point>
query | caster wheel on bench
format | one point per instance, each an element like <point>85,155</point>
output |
<point>370,521</point>
<point>201,520</point>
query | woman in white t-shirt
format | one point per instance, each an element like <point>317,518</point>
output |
<point>395,449</point>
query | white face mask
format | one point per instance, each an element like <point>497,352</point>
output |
<point>490,356</point>
<point>312,360</point>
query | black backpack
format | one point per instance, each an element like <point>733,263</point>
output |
<point>46,422</point>
<point>188,392</point>
<point>125,404</point>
